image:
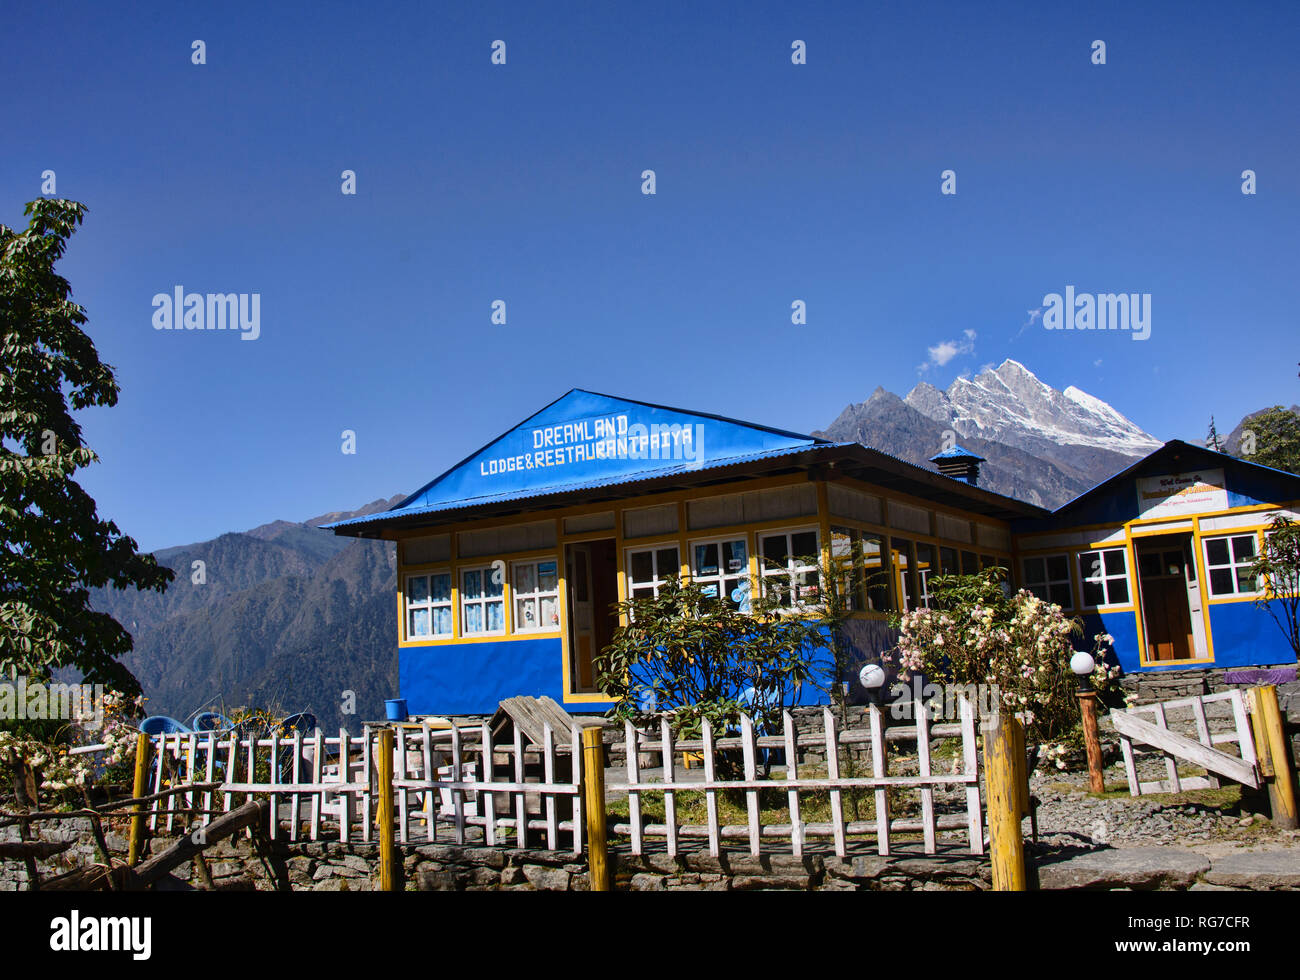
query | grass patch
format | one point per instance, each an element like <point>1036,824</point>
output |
<point>1223,798</point>
<point>773,803</point>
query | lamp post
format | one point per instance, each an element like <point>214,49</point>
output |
<point>872,677</point>
<point>1082,665</point>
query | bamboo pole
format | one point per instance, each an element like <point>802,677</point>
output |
<point>138,790</point>
<point>387,848</point>
<point>593,785</point>
<point>1002,746</point>
<point>1270,745</point>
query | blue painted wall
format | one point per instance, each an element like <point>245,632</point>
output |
<point>473,678</point>
<point>1246,636</point>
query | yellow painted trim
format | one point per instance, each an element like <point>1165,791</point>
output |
<point>1203,584</point>
<point>1162,531</point>
<point>510,567</point>
<point>402,638</point>
<point>1137,522</point>
<point>491,638</point>
<point>588,699</point>
<point>1229,599</point>
<point>1140,614</point>
<point>683,548</point>
<point>563,568</point>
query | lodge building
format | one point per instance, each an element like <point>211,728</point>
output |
<point>510,562</point>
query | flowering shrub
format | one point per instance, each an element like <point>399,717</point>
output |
<point>51,766</point>
<point>1019,644</point>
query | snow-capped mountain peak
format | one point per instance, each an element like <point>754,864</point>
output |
<point>1010,404</point>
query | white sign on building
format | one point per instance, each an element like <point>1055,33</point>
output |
<point>1181,494</point>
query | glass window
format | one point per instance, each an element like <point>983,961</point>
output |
<point>536,596</point>
<point>969,564</point>
<point>1104,575</point>
<point>924,568</point>
<point>1048,577</point>
<point>790,566</point>
<point>721,568</point>
<point>948,559</point>
<point>649,568</point>
<point>1227,562</point>
<point>482,601</point>
<point>428,606</point>
<point>902,555</point>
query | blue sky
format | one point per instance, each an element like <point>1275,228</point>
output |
<point>522,182</point>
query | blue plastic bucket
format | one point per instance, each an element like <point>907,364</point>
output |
<point>395,709</point>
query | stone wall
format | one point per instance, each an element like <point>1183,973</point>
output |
<point>1168,685</point>
<point>243,864</point>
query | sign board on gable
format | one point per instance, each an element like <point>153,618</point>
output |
<point>584,436</point>
<point>1181,494</point>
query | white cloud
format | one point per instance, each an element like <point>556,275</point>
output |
<point>945,350</point>
<point>1033,318</point>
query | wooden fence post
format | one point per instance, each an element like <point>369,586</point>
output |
<point>387,848</point>
<point>138,788</point>
<point>593,786</point>
<point>1002,777</point>
<point>1275,759</point>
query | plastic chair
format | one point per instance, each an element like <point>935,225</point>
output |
<point>303,721</point>
<point>211,721</point>
<point>162,725</point>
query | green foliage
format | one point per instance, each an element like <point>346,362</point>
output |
<point>1277,568</point>
<point>53,546</point>
<point>1272,438</point>
<point>694,655</point>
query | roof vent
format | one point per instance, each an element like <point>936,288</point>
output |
<point>960,464</point>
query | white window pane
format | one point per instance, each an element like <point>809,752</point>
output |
<point>441,591</point>
<point>442,621</point>
<point>526,614</point>
<point>474,619</point>
<point>526,578</point>
<point>472,585</point>
<point>417,589</point>
<point>546,577</point>
<point>419,623</point>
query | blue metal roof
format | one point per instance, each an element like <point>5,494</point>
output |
<point>585,440</point>
<point>402,510</point>
<point>957,452</point>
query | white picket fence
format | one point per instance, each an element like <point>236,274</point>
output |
<point>449,781</point>
<point>1199,747</point>
<point>965,778</point>
<point>315,781</point>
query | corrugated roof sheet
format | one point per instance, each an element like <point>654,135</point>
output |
<point>641,476</point>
